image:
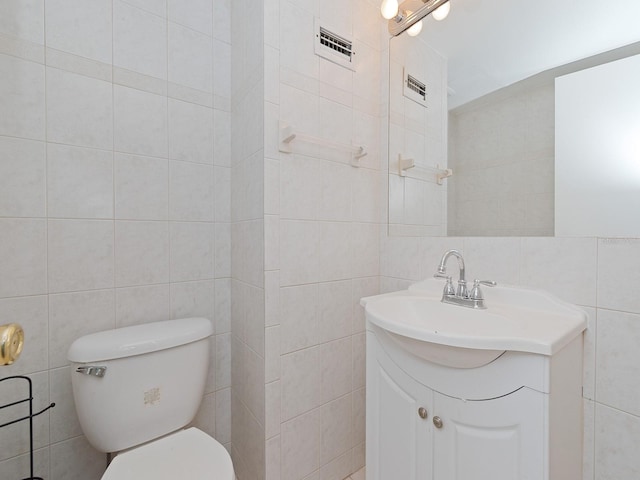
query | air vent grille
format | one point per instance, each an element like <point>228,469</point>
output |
<point>336,43</point>
<point>333,47</point>
<point>417,86</point>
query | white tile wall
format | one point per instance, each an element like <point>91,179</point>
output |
<point>300,444</point>
<point>112,213</point>
<point>190,58</point>
<point>300,382</point>
<point>74,459</point>
<point>334,251</point>
<point>23,20</point>
<point>136,305</point>
<point>140,120</point>
<point>617,360</point>
<point>140,40</point>
<point>198,17</point>
<point>79,182</point>
<point>23,242</point>
<point>336,369</point>
<point>191,192</point>
<point>80,28</point>
<point>328,242</point>
<point>142,253</point>
<point>248,230</point>
<point>335,310</point>
<point>191,251</point>
<point>298,247</point>
<point>496,257</point>
<point>79,110</point>
<point>141,187</point>
<point>191,132</point>
<point>222,137</point>
<point>299,322</point>
<point>22,93</point>
<point>618,262</point>
<point>571,262</point>
<point>22,178</point>
<point>80,255</point>
<point>616,434</point>
<point>335,429</point>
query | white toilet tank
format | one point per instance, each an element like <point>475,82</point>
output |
<point>134,384</point>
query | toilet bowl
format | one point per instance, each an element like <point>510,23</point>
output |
<point>136,389</point>
<point>168,458</point>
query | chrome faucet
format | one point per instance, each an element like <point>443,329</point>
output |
<point>461,291</point>
<point>460,296</point>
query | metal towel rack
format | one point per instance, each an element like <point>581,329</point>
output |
<point>29,417</point>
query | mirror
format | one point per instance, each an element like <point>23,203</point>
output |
<point>488,74</point>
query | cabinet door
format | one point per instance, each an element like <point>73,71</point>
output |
<point>398,439</point>
<point>499,439</point>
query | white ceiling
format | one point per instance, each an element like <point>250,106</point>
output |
<point>490,44</point>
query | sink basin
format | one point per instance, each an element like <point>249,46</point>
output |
<point>447,355</point>
<point>516,319</point>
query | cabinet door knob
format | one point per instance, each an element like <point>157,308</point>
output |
<point>422,412</point>
<point>437,421</point>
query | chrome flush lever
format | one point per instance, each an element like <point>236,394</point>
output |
<point>96,371</point>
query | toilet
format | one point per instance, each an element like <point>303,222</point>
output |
<point>136,389</point>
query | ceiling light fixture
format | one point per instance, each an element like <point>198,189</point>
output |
<point>411,12</point>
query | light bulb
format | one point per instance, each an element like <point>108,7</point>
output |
<point>389,8</point>
<point>415,29</point>
<point>442,11</point>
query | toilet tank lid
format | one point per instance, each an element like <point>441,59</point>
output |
<point>138,339</point>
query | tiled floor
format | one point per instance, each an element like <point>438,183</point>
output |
<point>359,475</point>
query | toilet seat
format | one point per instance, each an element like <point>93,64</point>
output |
<point>190,451</point>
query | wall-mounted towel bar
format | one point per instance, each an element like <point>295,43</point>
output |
<point>288,135</point>
<point>407,168</point>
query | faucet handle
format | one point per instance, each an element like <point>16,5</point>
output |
<point>476,293</point>
<point>448,288</point>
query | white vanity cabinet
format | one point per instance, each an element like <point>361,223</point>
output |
<point>398,439</point>
<point>518,417</point>
<point>497,439</point>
